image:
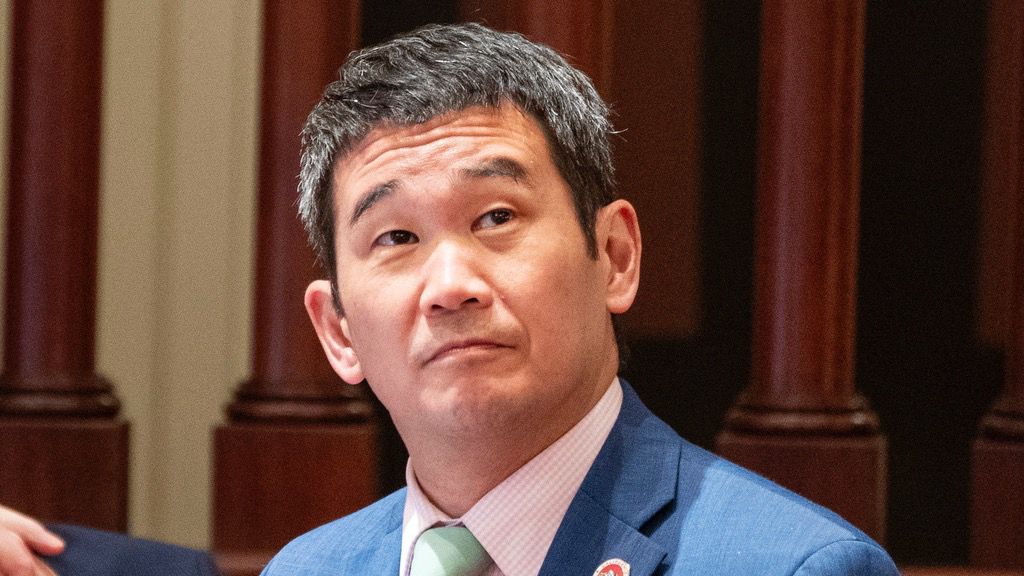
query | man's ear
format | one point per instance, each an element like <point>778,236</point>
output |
<point>618,236</point>
<point>332,329</point>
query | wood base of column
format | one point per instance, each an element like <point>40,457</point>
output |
<point>273,482</point>
<point>241,563</point>
<point>58,396</point>
<point>845,474</point>
<point>66,470</point>
<point>997,503</point>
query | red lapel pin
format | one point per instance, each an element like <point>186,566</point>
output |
<point>613,567</point>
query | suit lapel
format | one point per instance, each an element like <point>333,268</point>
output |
<point>386,557</point>
<point>632,479</point>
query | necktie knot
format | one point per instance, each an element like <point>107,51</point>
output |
<point>448,551</point>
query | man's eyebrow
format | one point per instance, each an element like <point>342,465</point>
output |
<point>374,195</point>
<point>497,167</point>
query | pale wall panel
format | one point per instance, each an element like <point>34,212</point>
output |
<point>126,296</point>
<point>180,93</point>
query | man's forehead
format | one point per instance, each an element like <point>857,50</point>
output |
<point>383,134</point>
<point>507,127</point>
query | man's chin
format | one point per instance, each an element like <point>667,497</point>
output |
<point>481,405</point>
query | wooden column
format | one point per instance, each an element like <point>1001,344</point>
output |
<point>800,421</point>
<point>300,446</point>
<point>64,452</point>
<point>997,496</point>
<point>578,29</point>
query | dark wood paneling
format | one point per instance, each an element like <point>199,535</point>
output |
<point>63,452</point>
<point>303,47</point>
<point>656,94</point>
<point>800,422</point>
<point>997,500</point>
<point>66,470</point>
<point>53,211</point>
<point>997,503</point>
<point>578,29</point>
<point>301,447</point>
<point>275,482</point>
<point>1002,173</point>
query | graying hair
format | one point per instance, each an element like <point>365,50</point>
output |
<point>440,69</point>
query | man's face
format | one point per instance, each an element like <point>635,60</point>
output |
<point>470,301</point>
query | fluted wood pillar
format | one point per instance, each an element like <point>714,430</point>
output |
<point>300,446</point>
<point>800,421</point>
<point>64,452</point>
<point>997,498</point>
<point>578,29</point>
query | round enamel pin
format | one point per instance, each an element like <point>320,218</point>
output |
<point>613,567</point>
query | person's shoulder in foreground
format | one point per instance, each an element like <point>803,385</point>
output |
<point>90,552</point>
<point>28,548</point>
<point>659,503</point>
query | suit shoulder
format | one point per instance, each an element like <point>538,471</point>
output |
<point>351,541</point>
<point>848,557</point>
<point>739,518</point>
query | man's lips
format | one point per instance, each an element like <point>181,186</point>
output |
<point>454,348</point>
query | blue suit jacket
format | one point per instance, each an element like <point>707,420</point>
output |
<point>651,499</point>
<point>91,552</point>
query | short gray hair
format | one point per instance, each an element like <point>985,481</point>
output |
<point>440,69</point>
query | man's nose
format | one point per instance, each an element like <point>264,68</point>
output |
<point>453,280</point>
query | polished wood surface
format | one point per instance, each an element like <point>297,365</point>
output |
<point>808,192</point>
<point>241,563</point>
<point>53,211</point>
<point>1001,170</point>
<point>659,45</point>
<point>997,500</point>
<point>800,421</point>
<point>997,503</point>
<point>579,29</point>
<point>72,470</point>
<point>303,47</point>
<point>300,447</point>
<point>63,452</point>
<point>273,482</point>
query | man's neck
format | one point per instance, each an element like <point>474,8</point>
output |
<point>457,471</point>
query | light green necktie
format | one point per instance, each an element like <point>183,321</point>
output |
<point>448,551</point>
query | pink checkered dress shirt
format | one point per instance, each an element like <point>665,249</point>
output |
<point>517,520</point>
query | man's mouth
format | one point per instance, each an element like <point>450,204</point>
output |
<point>462,347</point>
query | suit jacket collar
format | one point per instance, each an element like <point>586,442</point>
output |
<point>386,556</point>
<point>633,478</point>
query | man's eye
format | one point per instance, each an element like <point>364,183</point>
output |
<point>495,218</point>
<point>396,238</point>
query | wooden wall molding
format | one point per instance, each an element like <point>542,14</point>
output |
<point>801,421</point>
<point>64,450</point>
<point>997,500</point>
<point>300,446</point>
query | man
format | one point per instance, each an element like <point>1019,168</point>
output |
<point>79,551</point>
<point>457,185</point>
